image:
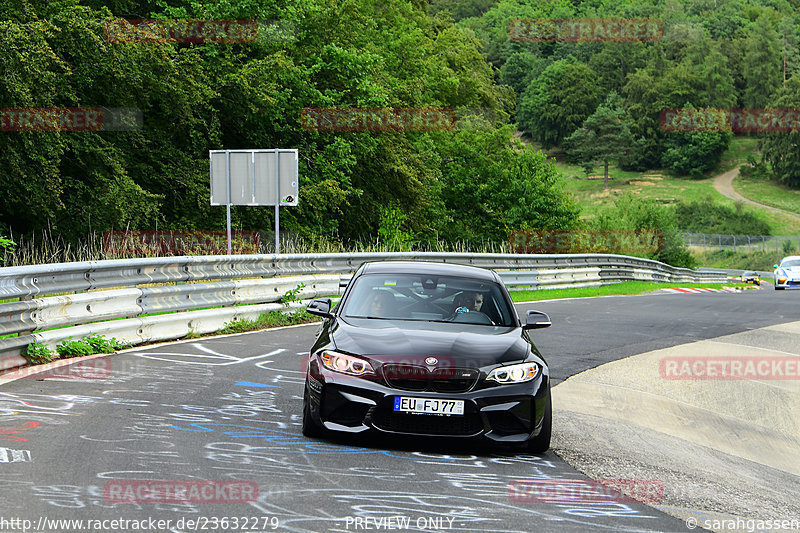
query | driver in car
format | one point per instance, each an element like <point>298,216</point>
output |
<point>468,301</point>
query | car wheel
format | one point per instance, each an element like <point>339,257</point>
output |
<point>779,288</point>
<point>541,442</point>
<point>310,427</point>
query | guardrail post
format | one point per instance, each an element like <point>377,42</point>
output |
<point>25,298</point>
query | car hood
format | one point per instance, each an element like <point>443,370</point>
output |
<point>792,270</point>
<point>461,345</point>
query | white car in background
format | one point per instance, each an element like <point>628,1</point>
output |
<point>787,274</point>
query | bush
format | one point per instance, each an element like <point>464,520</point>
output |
<point>6,246</point>
<point>390,230</point>
<point>633,213</point>
<point>38,353</point>
<point>270,319</point>
<point>755,169</point>
<point>692,154</point>
<point>102,345</point>
<point>707,216</point>
<point>71,348</point>
<point>89,345</point>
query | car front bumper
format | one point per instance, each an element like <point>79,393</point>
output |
<point>503,413</point>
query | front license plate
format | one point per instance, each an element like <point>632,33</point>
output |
<point>429,406</point>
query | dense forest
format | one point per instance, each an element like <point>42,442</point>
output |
<point>474,183</point>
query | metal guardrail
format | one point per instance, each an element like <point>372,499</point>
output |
<point>199,294</point>
<point>737,273</point>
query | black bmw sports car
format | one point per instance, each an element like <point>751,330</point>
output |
<point>427,349</point>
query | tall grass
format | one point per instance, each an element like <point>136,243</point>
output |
<point>48,248</point>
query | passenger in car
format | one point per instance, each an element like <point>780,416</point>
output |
<point>382,303</point>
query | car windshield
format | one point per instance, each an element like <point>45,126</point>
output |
<point>790,263</point>
<point>429,298</point>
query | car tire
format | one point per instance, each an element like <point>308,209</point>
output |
<point>779,288</point>
<point>541,442</point>
<point>310,427</point>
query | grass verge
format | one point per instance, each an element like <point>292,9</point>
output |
<point>271,319</point>
<point>616,289</point>
<point>767,192</point>
<point>744,260</point>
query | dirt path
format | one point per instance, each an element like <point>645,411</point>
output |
<point>724,185</point>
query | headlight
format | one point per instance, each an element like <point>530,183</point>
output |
<point>345,364</point>
<point>514,373</point>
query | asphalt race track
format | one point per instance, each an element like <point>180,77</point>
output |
<point>227,409</point>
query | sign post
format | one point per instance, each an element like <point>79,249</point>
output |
<point>254,177</point>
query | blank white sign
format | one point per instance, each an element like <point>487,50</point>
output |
<point>253,177</point>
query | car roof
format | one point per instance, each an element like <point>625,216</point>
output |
<point>790,257</point>
<point>426,267</point>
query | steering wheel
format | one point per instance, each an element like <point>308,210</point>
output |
<point>471,317</point>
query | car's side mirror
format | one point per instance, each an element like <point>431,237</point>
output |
<point>320,307</point>
<point>536,320</point>
<point>775,266</point>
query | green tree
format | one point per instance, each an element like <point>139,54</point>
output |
<point>789,47</point>
<point>558,101</point>
<point>717,89</point>
<point>762,64</point>
<point>694,152</point>
<point>520,68</point>
<point>461,9</point>
<point>781,150</point>
<point>604,137</point>
<point>615,61</point>
<point>493,185</point>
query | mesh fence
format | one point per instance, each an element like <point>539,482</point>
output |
<point>785,243</point>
